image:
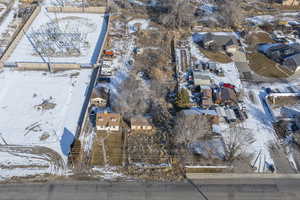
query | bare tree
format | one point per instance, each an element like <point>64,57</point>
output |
<point>191,127</point>
<point>236,141</point>
<point>131,98</point>
<point>175,13</point>
<point>231,12</point>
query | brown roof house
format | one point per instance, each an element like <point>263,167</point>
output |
<point>226,96</point>
<point>108,122</point>
<point>100,97</point>
<point>206,98</point>
<point>141,123</point>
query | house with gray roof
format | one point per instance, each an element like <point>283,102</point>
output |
<point>217,41</point>
<point>278,51</point>
<point>292,63</point>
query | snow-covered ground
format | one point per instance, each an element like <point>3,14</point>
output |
<point>22,123</point>
<point>87,23</point>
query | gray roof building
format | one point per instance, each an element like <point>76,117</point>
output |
<point>216,41</point>
<point>292,63</point>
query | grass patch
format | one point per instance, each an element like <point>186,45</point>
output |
<point>215,56</point>
<point>264,66</point>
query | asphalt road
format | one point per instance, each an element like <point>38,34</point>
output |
<point>220,189</point>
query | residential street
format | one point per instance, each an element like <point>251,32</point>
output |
<point>214,189</point>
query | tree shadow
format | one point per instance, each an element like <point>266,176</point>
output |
<point>66,141</point>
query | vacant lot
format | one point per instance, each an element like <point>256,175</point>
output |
<point>146,149</point>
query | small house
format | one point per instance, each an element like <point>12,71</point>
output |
<point>226,96</point>
<point>278,52</point>
<point>100,97</point>
<point>206,98</point>
<point>219,41</point>
<point>201,80</point>
<point>139,123</point>
<point>106,68</point>
<point>108,121</point>
<point>292,63</point>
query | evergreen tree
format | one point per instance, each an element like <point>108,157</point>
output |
<point>182,99</point>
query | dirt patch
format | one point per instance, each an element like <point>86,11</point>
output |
<point>216,56</point>
<point>142,148</point>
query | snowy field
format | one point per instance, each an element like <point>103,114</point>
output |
<point>89,24</point>
<point>27,129</point>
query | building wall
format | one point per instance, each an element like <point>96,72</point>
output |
<point>44,66</point>
<point>141,127</point>
<point>108,128</point>
<point>99,10</point>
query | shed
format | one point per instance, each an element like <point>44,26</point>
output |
<point>200,79</point>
